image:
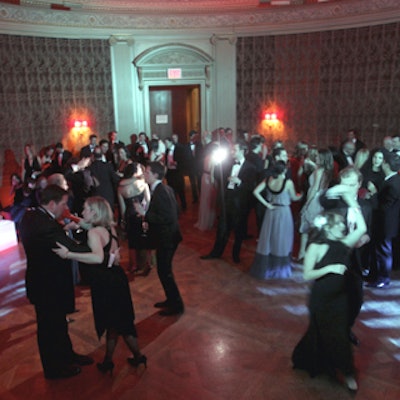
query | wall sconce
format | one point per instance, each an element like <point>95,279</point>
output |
<point>273,117</point>
<point>80,124</point>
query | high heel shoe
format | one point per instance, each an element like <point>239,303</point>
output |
<point>106,366</point>
<point>135,362</point>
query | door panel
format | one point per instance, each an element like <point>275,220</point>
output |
<point>161,110</point>
<point>179,106</point>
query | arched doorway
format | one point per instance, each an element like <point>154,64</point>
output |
<point>175,109</point>
<point>175,102</point>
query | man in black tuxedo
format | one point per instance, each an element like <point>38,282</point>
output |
<point>346,154</point>
<point>86,151</point>
<point>352,135</point>
<point>351,180</point>
<point>104,176</point>
<point>175,162</point>
<point>164,233</point>
<point>49,285</point>
<point>194,164</point>
<point>237,183</point>
<point>114,144</point>
<point>141,150</point>
<point>386,221</point>
<point>254,157</point>
<point>61,157</point>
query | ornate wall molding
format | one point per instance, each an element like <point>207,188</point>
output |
<point>152,64</point>
<point>311,17</point>
<point>118,39</point>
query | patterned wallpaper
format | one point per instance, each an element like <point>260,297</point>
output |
<point>44,82</point>
<point>322,83</point>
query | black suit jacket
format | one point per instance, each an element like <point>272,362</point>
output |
<point>162,217</point>
<point>240,195</point>
<point>341,207</point>
<point>86,151</point>
<point>107,180</point>
<point>386,220</point>
<point>48,277</point>
<point>55,167</point>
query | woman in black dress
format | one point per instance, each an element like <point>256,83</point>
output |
<point>111,298</point>
<point>326,347</point>
<point>131,189</point>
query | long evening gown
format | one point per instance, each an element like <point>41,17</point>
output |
<point>272,259</point>
<point>208,197</point>
<point>325,346</point>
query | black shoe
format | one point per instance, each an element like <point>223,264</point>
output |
<point>208,257</point>
<point>354,339</point>
<point>135,362</point>
<point>378,284</point>
<point>161,304</point>
<point>106,366</point>
<point>65,372</point>
<point>81,360</point>
<point>171,311</point>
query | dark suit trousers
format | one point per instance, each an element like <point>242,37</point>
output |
<point>166,276</point>
<point>194,186</point>
<point>234,219</point>
<point>176,180</point>
<point>55,345</point>
<point>384,259</point>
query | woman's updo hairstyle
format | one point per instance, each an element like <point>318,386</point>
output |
<point>321,225</point>
<point>278,168</point>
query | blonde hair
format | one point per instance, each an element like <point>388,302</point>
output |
<point>361,158</point>
<point>102,210</point>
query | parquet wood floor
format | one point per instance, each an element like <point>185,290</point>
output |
<point>233,342</point>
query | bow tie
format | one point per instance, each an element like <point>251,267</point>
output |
<point>236,163</point>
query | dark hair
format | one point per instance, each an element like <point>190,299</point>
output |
<point>255,141</point>
<point>157,168</point>
<point>127,153</point>
<point>154,145</point>
<point>276,152</point>
<point>102,141</point>
<point>392,159</point>
<point>277,168</point>
<point>52,192</point>
<point>242,145</point>
<point>16,175</point>
<point>130,170</point>
<point>319,234</point>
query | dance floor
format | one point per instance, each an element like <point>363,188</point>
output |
<point>233,342</point>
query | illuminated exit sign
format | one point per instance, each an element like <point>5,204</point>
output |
<point>174,73</point>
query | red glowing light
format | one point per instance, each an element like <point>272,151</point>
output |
<point>271,116</point>
<point>81,124</point>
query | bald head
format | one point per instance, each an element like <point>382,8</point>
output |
<point>59,180</point>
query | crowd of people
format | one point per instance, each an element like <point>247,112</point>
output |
<point>343,205</point>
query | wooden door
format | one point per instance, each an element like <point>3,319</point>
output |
<point>174,109</point>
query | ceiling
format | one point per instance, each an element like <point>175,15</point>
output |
<point>102,18</point>
<point>159,6</point>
